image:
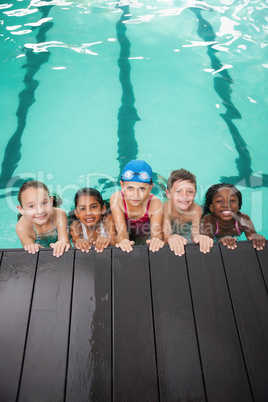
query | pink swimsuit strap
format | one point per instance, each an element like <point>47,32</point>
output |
<point>145,216</point>
<point>236,225</point>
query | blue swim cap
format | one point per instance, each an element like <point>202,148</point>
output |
<point>137,170</point>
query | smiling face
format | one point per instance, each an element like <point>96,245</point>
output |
<point>135,192</point>
<point>36,205</point>
<point>182,194</point>
<point>225,204</point>
<point>89,211</point>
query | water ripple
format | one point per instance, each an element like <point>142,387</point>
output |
<point>20,12</point>
<point>3,6</point>
<point>42,47</point>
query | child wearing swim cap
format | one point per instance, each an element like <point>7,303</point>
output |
<point>224,221</point>
<point>182,216</point>
<point>137,213</point>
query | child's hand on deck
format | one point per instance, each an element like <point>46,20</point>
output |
<point>176,244</point>
<point>32,248</point>
<point>205,243</point>
<point>101,243</point>
<point>83,245</point>
<point>125,245</point>
<point>257,240</point>
<point>155,244</point>
<point>229,241</point>
<point>59,247</point>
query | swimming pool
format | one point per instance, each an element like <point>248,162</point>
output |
<point>87,86</point>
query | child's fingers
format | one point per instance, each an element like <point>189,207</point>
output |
<point>31,248</point>
<point>59,247</point>
<point>176,244</point>
<point>155,244</point>
<point>229,242</point>
<point>125,245</point>
<point>205,243</point>
<point>232,244</point>
<point>101,243</point>
<point>179,248</point>
<point>258,241</point>
<point>84,246</point>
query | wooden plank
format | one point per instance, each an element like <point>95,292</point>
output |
<point>250,302</point>
<point>89,368</point>
<point>16,285</point>
<point>180,377</point>
<point>43,376</point>
<point>134,362</point>
<point>263,260</point>
<point>222,360</point>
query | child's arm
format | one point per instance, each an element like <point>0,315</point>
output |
<point>122,240</point>
<point>77,236</point>
<point>103,242</point>
<point>156,222</point>
<point>63,243</point>
<point>205,242</point>
<point>175,241</point>
<point>258,241</point>
<point>23,230</point>
<point>207,226</point>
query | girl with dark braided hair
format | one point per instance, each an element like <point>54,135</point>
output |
<point>223,220</point>
<point>90,223</point>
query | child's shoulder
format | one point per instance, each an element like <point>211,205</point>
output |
<point>108,216</point>
<point>108,220</point>
<point>196,208</point>
<point>210,218</point>
<point>75,223</point>
<point>154,201</point>
<point>23,223</point>
<point>116,197</point>
<point>58,216</point>
<point>167,205</point>
<point>243,219</point>
<point>242,215</point>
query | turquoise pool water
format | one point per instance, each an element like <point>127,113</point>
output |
<point>87,86</point>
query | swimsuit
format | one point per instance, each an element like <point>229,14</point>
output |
<point>103,232</point>
<point>184,230</point>
<point>236,226</point>
<point>44,239</point>
<point>138,227</point>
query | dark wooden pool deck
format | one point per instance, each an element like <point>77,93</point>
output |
<point>134,327</point>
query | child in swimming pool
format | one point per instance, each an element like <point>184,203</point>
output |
<point>41,224</point>
<point>93,226</point>
<point>182,216</point>
<point>224,221</point>
<point>137,213</point>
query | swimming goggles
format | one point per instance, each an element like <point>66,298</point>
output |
<point>143,176</point>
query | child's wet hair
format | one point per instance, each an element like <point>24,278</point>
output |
<point>37,184</point>
<point>57,201</point>
<point>89,192</point>
<point>213,190</point>
<point>180,175</point>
